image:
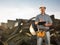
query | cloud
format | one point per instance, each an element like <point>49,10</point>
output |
<point>13,13</point>
<point>57,14</point>
<point>7,13</point>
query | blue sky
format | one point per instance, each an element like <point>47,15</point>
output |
<point>12,9</point>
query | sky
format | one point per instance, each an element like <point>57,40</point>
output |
<point>26,9</point>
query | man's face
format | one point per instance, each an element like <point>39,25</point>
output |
<point>42,9</point>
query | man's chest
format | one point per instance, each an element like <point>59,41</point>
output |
<point>43,18</point>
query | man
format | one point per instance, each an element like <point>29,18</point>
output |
<point>40,18</point>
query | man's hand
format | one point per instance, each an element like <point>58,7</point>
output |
<point>41,20</point>
<point>36,23</point>
<point>48,25</point>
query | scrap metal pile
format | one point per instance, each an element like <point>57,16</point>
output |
<point>20,34</point>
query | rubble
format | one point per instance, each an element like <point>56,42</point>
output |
<point>16,32</point>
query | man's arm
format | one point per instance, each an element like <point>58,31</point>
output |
<point>49,22</point>
<point>48,25</point>
<point>36,20</point>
